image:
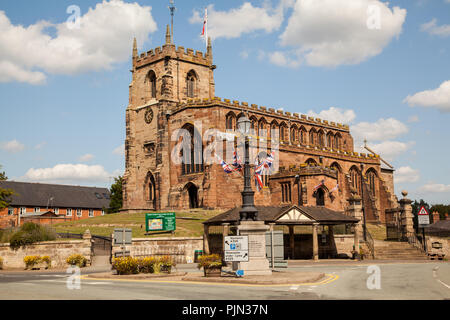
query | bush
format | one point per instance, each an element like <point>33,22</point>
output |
<point>126,265</point>
<point>166,263</point>
<point>31,261</point>
<point>209,261</point>
<point>77,260</point>
<point>31,233</point>
<point>147,265</point>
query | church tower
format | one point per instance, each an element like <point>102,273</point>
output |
<point>162,79</point>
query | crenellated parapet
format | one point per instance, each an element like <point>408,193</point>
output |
<point>282,115</point>
<point>170,51</point>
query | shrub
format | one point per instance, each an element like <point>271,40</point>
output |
<point>166,263</point>
<point>31,233</point>
<point>1,263</point>
<point>146,265</point>
<point>126,265</point>
<point>31,261</point>
<point>209,261</point>
<point>77,260</point>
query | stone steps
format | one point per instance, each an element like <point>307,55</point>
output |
<point>387,250</point>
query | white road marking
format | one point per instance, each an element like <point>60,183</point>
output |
<point>435,269</point>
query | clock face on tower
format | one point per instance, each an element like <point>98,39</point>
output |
<point>148,116</point>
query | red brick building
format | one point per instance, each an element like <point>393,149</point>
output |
<point>52,203</point>
<point>173,88</point>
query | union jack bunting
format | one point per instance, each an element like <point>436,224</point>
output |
<point>227,168</point>
<point>319,185</point>
<point>269,160</point>
<point>258,182</point>
<point>236,161</point>
<point>335,188</point>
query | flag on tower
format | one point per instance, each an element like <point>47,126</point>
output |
<point>205,27</point>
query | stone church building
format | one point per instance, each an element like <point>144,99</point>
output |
<point>173,88</point>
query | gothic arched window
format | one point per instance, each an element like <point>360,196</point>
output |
<point>355,179</point>
<point>230,121</point>
<point>152,83</point>
<point>190,84</point>
<point>192,153</point>
<point>370,177</point>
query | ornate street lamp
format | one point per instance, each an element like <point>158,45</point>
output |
<point>249,211</point>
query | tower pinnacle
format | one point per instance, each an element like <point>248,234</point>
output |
<point>168,37</point>
<point>135,51</point>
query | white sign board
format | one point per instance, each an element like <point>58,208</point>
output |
<point>236,248</point>
<point>424,220</point>
<point>423,217</point>
<point>236,256</point>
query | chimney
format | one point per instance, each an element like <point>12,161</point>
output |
<point>435,216</point>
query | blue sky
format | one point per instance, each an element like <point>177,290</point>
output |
<point>63,93</point>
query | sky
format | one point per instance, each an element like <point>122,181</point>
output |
<point>383,68</point>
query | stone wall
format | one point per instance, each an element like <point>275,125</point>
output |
<point>58,251</point>
<point>182,250</point>
<point>445,241</point>
<point>344,244</point>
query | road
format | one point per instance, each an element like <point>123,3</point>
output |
<point>430,280</point>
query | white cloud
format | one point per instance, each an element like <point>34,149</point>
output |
<point>87,157</point>
<point>435,188</point>
<point>406,174</point>
<point>334,32</point>
<point>244,54</point>
<point>120,150</point>
<point>437,98</point>
<point>383,129</point>
<point>245,19</point>
<point>413,119</point>
<point>40,145</point>
<point>432,28</point>
<point>334,114</point>
<point>389,150</point>
<point>68,172</point>
<point>12,146</point>
<point>29,53</point>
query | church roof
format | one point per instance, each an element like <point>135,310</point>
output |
<point>287,214</point>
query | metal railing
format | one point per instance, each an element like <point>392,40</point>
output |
<point>68,235</point>
<point>413,240</point>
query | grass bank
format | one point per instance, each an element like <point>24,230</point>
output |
<point>188,224</point>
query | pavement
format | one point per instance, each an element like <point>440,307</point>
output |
<point>357,280</point>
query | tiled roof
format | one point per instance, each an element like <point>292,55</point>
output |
<point>271,214</point>
<point>64,196</point>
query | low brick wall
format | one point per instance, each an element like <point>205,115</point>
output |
<point>182,250</point>
<point>58,251</point>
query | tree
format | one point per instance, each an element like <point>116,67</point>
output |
<point>116,195</point>
<point>5,194</point>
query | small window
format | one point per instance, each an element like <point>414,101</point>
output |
<point>37,209</point>
<point>56,210</point>
<point>10,211</point>
<point>286,192</point>
<point>79,213</point>
<point>23,210</point>
<point>98,195</point>
<point>91,213</point>
<point>69,212</point>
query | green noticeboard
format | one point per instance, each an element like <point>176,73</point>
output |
<point>160,221</point>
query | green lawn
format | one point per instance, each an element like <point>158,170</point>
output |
<point>105,225</point>
<point>378,232</point>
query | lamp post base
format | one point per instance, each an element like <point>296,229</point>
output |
<point>257,264</point>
